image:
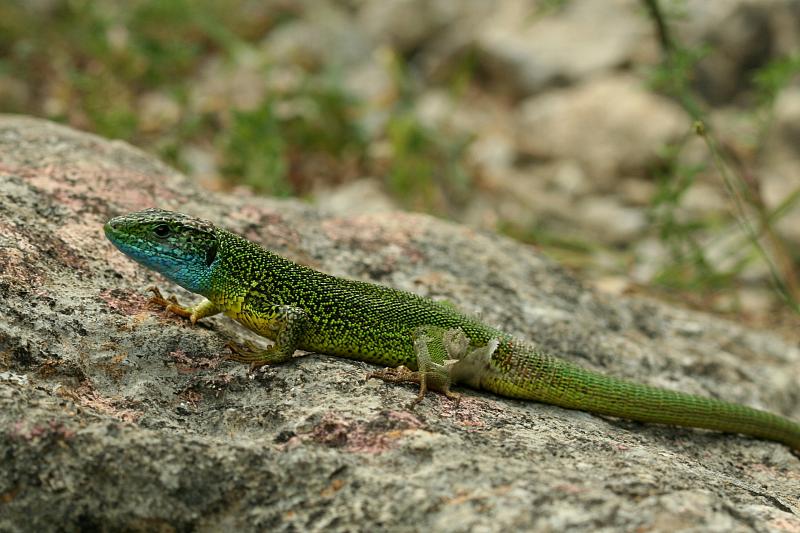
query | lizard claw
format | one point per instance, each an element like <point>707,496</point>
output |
<point>402,374</point>
<point>170,304</point>
<point>247,353</point>
<point>158,298</point>
<point>454,396</point>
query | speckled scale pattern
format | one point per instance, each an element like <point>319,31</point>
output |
<point>374,323</point>
<point>519,370</point>
<point>348,318</point>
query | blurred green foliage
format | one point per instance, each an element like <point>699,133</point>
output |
<point>690,266</point>
<point>91,64</point>
<point>95,64</point>
<point>425,171</point>
<point>255,151</point>
<point>86,61</point>
<point>774,77</point>
<point>424,168</point>
<point>309,134</point>
<point>688,238</point>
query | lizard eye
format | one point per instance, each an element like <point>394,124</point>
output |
<point>162,230</point>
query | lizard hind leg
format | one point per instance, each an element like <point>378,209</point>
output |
<point>434,348</point>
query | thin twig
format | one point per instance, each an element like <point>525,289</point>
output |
<point>664,37</point>
<point>742,218</point>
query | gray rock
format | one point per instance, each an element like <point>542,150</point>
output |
<point>158,112</point>
<point>740,36</point>
<point>114,416</point>
<point>780,158</point>
<point>531,49</point>
<point>408,24</point>
<point>326,35</point>
<point>607,216</point>
<point>741,43</point>
<point>355,197</point>
<point>613,126</point>
<point>222,86</point>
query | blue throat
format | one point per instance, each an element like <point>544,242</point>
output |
<point>190,272</point>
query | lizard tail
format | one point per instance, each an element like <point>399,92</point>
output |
<point>520,371</point>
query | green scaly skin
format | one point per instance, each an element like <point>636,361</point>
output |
<point>431,343</point>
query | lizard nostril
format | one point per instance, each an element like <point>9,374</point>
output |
<point>111,225</point>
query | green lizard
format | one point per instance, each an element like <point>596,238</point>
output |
<point>426,342</point>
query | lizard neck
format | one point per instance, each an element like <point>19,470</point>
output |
<point>241,266</point>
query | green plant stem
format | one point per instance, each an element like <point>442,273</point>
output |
<point>785,288</point>
<point>662,29</point>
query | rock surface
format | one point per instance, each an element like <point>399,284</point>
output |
<point>114,416</point>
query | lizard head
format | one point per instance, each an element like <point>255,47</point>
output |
<point>180,247</point>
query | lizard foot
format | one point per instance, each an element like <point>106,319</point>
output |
<point>248,353</point>
<point>254,356</point>
<point>170,304</point>
<point>437,350</point>
<point>402,374</point>
<point>394,375</point>
<point>444,357</point>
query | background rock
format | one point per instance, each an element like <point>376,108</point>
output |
<point>589,123</point>
<point>518,116</point>
<point>739,37</point>
<point>532,49</point>
<point>115,416</point>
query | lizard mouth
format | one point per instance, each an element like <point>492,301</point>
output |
<point>114,229</point>
<point>109,229</point>
<point>123,240</point>
<point>112,232</point>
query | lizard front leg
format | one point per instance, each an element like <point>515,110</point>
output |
<point>285,323</point>
<point>204,309</point>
